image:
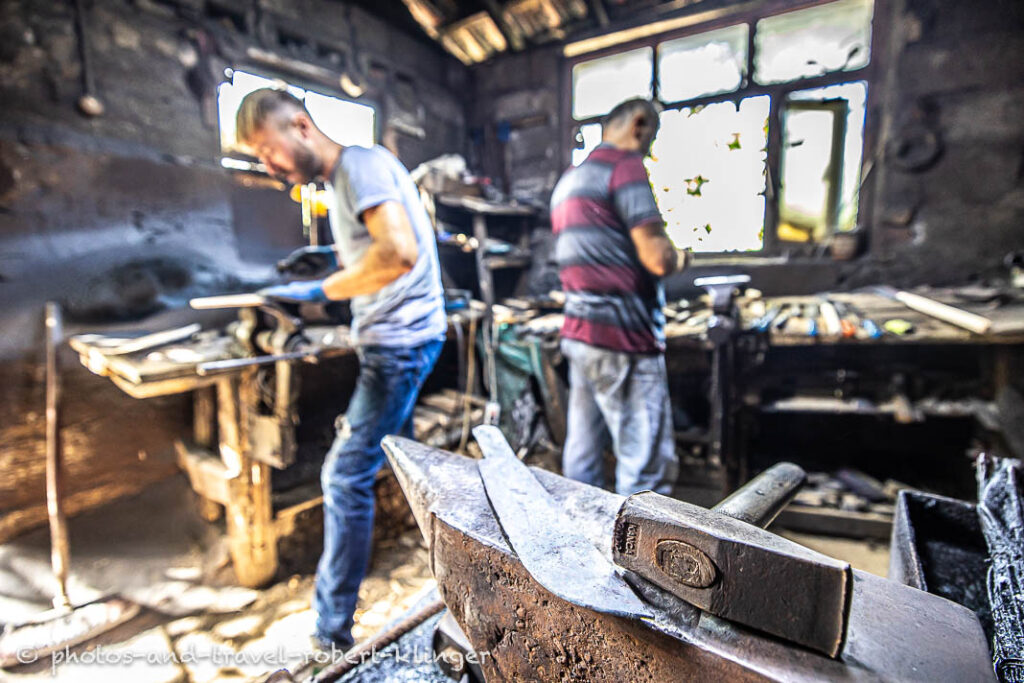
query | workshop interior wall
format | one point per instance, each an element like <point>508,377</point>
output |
<point>123,217</point>
<point>952,80</point>
<point>949,175</point>
<point>516,134</point>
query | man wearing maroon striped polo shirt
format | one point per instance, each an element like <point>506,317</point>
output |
<point>612,251</point>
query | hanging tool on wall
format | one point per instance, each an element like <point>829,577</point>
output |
<point>88,102</point>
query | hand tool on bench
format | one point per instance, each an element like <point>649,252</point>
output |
<point>282,341</point>
<point>864,327</point>
<point>936,309</point>
<point>764,323</point>
<point>849,322</point>
<point>787,312</point>
<point>717,560</point>
<point>830,323</point>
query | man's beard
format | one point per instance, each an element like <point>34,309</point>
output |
<point>307,164</point>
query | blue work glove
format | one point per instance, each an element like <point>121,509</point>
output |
<point>306,261</point>
<point>300,291</point>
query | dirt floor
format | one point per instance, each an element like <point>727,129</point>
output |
<point>196,626</point>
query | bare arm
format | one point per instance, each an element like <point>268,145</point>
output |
<point>656,251</point>
<point>392,254</point>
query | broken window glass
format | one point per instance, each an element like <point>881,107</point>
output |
<point>704,64</point>
<point>813,41</point>
<point>590,136</point>
<point>708,174</point>
<point>600,84</point>
<point>822,145</point>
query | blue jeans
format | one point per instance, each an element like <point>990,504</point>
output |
<point>386,390</point>
<point>623,398</point>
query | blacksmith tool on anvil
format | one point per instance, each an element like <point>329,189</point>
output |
<point>724,599</point>
<point>725,566</point>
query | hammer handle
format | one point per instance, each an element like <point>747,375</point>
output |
<point>760,500</point>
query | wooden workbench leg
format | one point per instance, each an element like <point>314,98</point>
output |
<point>204,433</point>
<point>250,518</point>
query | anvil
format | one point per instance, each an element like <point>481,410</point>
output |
<point>893,632</point>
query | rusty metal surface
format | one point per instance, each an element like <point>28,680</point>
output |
<point>546,541</point>
<point>894,632</point>
<point>735,570</point>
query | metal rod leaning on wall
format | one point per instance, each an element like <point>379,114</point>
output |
<point>59,551</point>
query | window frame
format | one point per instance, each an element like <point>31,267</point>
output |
<point>871,74</point>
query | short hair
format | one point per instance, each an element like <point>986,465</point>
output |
<point>259,105</point>
<point>627,109</point>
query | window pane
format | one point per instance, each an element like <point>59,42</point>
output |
<point>803,204</point>
<point>708,175</point>
<point>703,64</point>
<point>810,42</point>
<point>600,84</point>
<point>348,123</point>
<point>807,149</point>
<point>591,133</point>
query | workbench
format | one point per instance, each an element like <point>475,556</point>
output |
<point>783,377</point>
<point>235,440</point>
<point>243,427</point>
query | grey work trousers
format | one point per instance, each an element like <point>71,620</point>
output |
<point>621,397</point>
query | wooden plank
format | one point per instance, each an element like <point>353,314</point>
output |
<point>251,535</point>
<point>119,346</point>
<point>286,518</point>
<point>206,473</point>
<point>204,433</point>
<point>833,522</point>
<point>204,417</point>
<point>477,401</point>
<point>446,403</point>
<point>166,387</point>
<point>173,369</point>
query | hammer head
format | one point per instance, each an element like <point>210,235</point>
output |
<point>735,570</point>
